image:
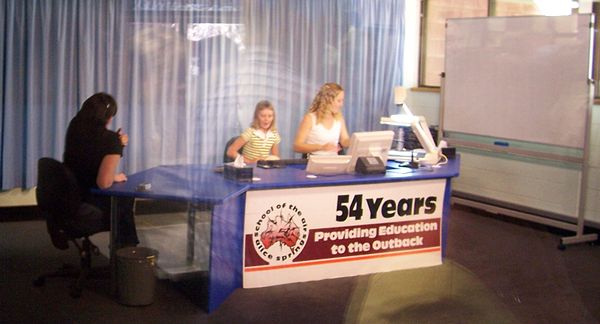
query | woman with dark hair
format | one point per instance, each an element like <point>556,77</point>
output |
<point>93,153</point>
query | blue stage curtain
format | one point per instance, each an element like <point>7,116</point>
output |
<point>187,74</point>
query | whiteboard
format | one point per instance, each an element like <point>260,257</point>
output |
<point>520,78</point>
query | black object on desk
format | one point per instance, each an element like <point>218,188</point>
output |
<point>449,152</point>
<point>243,174</point>
<point>370,165</point>
<point>273,164</point>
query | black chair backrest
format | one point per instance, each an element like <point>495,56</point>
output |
<point>227,159</point>
<point>57,192</point>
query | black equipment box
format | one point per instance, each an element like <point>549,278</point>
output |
<point>370,165</point>
<point>243,174</point>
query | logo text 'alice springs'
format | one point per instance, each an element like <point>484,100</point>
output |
<point>280,233</point>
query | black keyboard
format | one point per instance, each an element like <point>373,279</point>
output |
<point>268,164</point>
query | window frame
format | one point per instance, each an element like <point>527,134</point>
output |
<point>491,8</point>
<point>596,53</point>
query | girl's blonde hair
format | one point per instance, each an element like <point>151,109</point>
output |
<point>323,101</point>
<point>260,106</point>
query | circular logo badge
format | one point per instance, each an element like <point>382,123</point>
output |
<point>280,233</point>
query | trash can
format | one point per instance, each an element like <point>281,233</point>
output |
<point>136,275</point>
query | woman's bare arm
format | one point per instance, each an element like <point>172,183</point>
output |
<point>233,149</point>
<point>108,168</point>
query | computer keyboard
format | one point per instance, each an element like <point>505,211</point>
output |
<point>406,156</point>
<point>267,164</point>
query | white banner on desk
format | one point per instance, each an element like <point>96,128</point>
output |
<point>314,233</point>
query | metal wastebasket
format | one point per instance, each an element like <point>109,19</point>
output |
<point>136,275</point>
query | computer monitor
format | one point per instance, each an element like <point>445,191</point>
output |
<point>433,154</point>
<point>366,144</point>
<point>327,164</point>
<point>421,130</point>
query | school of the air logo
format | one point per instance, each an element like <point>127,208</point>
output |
<point>280,233</point>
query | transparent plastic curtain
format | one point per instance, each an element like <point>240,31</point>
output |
<point>293,47</point>
<point>54,55</point>
<point>187,74</point>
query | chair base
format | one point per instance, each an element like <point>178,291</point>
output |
<point>66,271</point>
<point>86,249</point>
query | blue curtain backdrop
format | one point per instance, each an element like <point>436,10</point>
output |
<point>187,74</point>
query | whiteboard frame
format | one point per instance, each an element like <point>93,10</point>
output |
<point>537,94</point>
<point>578,228</point>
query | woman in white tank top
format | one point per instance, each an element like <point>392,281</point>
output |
<point>323,128</point>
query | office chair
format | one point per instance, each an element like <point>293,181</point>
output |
<point>68,219</point>
<point>227,159</point>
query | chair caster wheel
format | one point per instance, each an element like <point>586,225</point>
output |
<point>39,282</point>
<point>75,292</point>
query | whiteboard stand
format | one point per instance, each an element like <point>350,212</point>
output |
<point>579,237</point>
<point>476,47</point>
<point>440,133</point>
<point>578,227</point>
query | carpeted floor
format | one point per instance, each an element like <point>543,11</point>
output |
<point>496,271</point>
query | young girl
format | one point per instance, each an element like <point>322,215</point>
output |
<point>261,140</point>
<point>323,128</point>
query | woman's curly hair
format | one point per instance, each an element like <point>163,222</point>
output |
<point>321,105</point>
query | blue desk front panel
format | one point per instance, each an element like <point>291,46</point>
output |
<point>226,249</point>
<point>446,214</point>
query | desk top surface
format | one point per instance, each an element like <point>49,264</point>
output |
<point>201,184</point>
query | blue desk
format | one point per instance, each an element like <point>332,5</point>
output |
<point>200,185</point>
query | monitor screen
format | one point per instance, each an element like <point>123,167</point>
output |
<point>376,143</point>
